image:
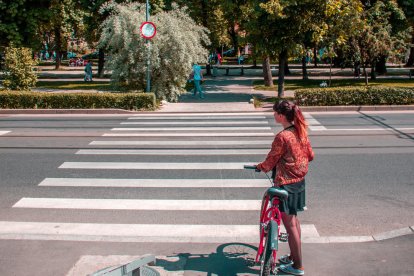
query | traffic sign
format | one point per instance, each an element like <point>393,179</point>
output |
<point>148,30</point>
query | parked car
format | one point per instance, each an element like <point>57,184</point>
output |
<point>94,55</point>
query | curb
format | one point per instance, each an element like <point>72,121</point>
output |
<point>356,239</point>
<point>66,111</point>
<point>265,108</point>
<point>269,108</point>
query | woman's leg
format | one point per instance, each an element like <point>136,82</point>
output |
<point>292,226</point>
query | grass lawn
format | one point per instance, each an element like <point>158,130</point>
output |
<point>298,84</point>
<point>75,85</point>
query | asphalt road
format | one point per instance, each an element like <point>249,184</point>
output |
<point>359,185</point>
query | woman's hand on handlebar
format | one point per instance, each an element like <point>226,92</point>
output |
<point>252,167</point>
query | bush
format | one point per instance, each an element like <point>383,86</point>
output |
<point>128,101</point>
<point>375,95</point>
<point>18,69</point>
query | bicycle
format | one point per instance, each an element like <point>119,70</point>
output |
<point>269,228</point>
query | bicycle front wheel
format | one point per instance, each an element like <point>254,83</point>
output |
<point>266,261</point>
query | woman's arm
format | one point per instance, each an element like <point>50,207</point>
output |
<point>274,155</point>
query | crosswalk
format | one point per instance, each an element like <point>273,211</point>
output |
<point>221,142</point>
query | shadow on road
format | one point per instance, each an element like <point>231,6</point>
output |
<point>229,259</point>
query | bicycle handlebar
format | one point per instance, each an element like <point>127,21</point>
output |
<point>250,167</point>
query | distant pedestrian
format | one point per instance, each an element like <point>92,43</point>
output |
<point>88,71</point>
<point>219,58</point>
<point>197,78</point>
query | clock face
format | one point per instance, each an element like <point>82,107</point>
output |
<point>148,30</point>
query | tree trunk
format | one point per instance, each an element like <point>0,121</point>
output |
<point>287,71</point>
<point>365,74</point>
<point>330,72</point>
<point>267,73</point>
<point>381,67</point>
<point>373,73</point>
<point>281,76</point>
<point>304,70</point>
<point>315,57</point>
<point>58,42</point>
<point>101,63</point>
<point>410,61</point>
<point>234,38</point>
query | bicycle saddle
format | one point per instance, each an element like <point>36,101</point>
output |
<point>280,193</point>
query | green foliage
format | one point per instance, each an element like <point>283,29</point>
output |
<point>128,101</point>
<point>18,69</point>
<point>371,95</point>
<point>20,20</point>
<point>177,44</point>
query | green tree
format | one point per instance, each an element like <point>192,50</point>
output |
<point>408,7</point>
<point>278,27</point>
<point>342,20</point>
<point>66,17</point>
<point>178,43</point>
<point>19,69</point>
<point>376,37</point>
<point>20,20</point>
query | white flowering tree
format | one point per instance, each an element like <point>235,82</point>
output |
<point>178,43</point>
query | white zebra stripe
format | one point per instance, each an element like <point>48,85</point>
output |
<point>196,134</point>
<point>156,183</point>
<point>227,128</point>
<point>137,232</point>
<point>184,152</point>
<point>199,123</point>
<point>153,166</point>
<point>182,143</point>
<point>139,204</point>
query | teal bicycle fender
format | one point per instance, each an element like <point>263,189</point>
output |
<point>273,235</point>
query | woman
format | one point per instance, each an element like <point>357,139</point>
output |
<point>290,154</point>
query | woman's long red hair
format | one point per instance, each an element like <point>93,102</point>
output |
<point>300,124</point>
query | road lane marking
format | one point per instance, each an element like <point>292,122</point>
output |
<point>184,152</point>
<point>139,204</point>
<point>136,232</point>
<point>367,129</point>
<point>4,132</point>
<point>197,134</point>
<point>199,123</point>
<point>182,143</point>
<point>153,166</point>
<point>198,114</point>
<point>186,128</point>
<point>313,123</point>
<point>156,183</point>
<point>209,118</point>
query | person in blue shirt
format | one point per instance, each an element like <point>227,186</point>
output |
<point>197,78</point>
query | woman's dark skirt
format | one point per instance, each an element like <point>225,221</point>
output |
<point>296,200</point>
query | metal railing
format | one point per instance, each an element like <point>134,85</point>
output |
<point>135,268</point>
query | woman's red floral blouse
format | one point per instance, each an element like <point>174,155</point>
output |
<point>290,156</point>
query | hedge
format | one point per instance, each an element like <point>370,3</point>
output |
<point>371,95</point>
<point>45,100</point>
